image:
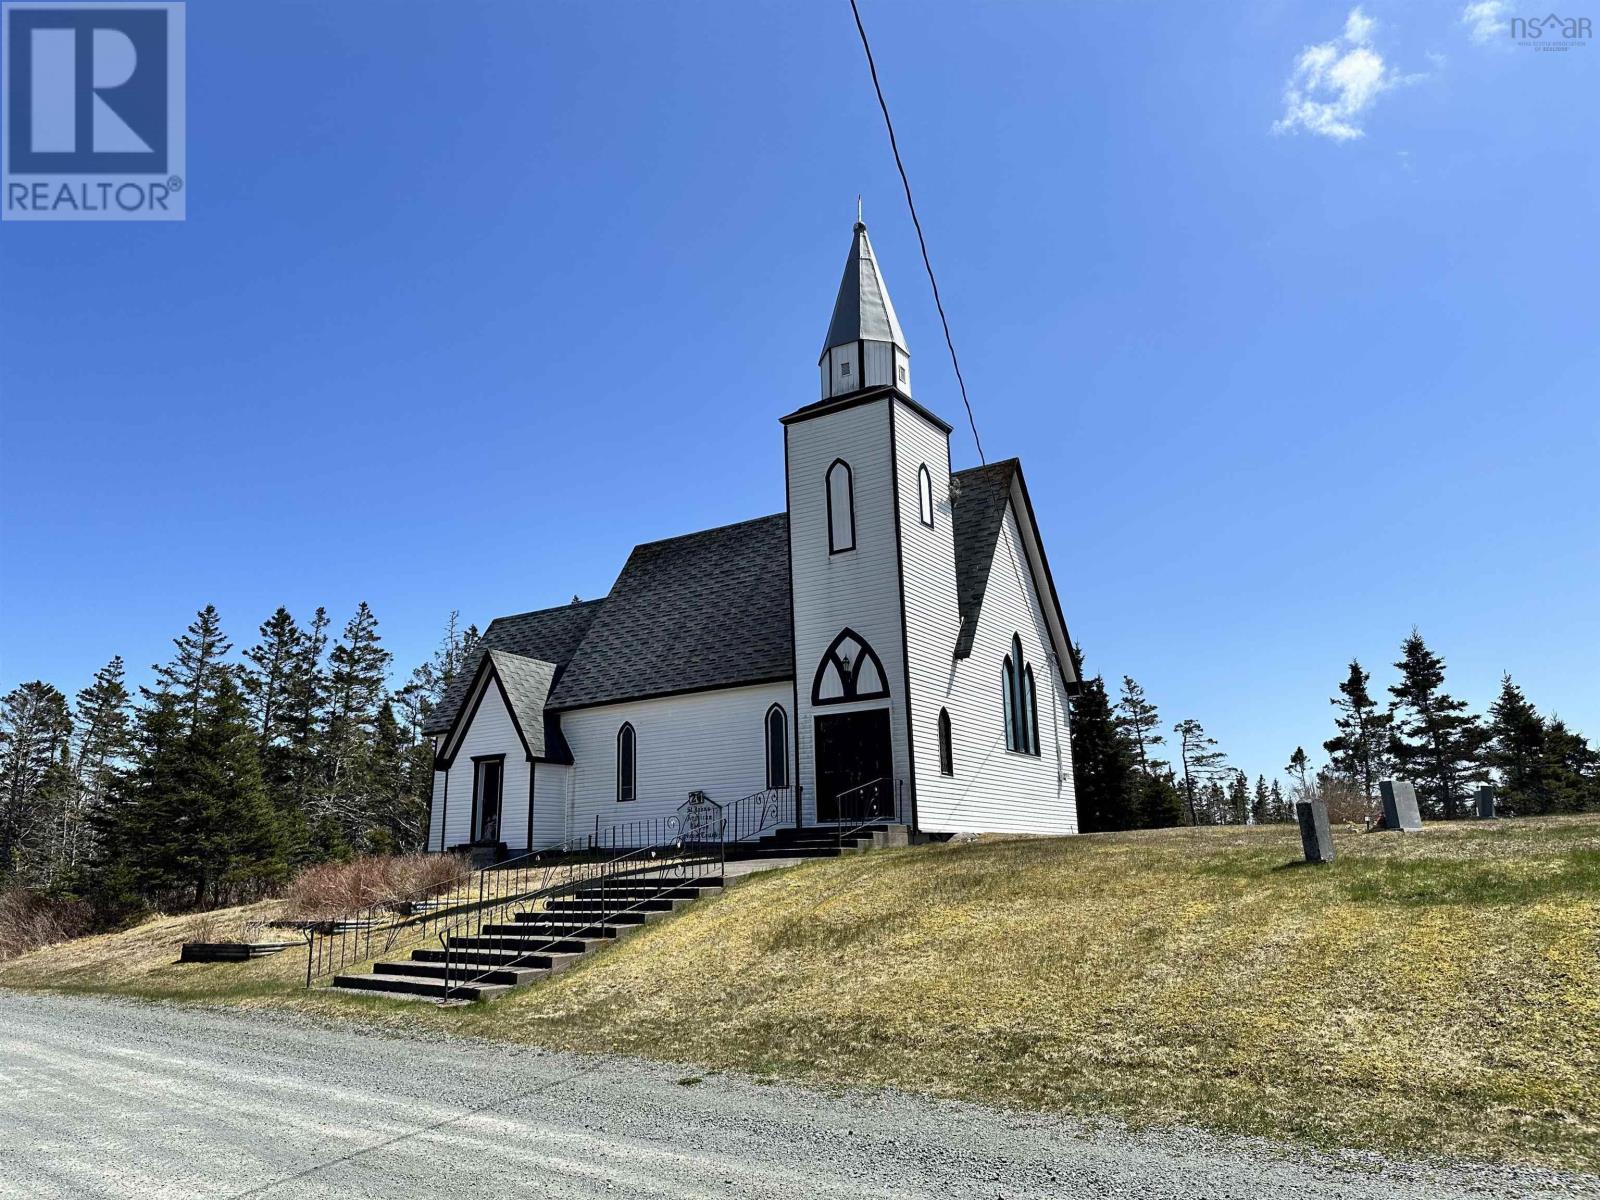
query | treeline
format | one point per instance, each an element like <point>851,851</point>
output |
<point>1420,733</point>
<point>224,775</point>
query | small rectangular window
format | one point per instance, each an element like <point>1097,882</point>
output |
<point>902,374</point>
<point>844,368</point>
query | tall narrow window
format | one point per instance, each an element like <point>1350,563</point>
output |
<point>1030,712</point>
<point>925,495</point>
<point>627,764</point>
<point>777,747</point>
<point>947,755</point>
<point>1008,700</point>
<point>841,507</point>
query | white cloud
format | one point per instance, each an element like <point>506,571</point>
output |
<point>1336,83</point>
<point>1485,19</point>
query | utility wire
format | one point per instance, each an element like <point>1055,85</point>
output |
<point>921,241</point>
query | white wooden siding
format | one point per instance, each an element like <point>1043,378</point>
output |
<point>995,789</point>
<point>933,613</point>
<point>713,742</point>
<point>491,732</point>
<point>859,589</point>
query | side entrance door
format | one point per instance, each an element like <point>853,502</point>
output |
<point>853,749</point>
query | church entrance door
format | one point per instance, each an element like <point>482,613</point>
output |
<point>852,749</point>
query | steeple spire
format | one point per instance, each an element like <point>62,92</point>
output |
<point>864,346</point>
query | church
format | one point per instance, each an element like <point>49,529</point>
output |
<point>891,647</point>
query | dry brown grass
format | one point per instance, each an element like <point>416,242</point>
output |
<point>1426,993</point>
<point>29,920</point>
<point>343,889</point>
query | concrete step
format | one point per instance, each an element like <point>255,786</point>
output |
<point>636,893</point>
<point>414,986</point>
<point>465,973</point>
<point>521,944</point>
<point>612,903</point>
<point>482,956</point>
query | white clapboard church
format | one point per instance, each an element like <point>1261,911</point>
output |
<point>890,646</point>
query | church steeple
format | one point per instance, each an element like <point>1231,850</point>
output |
<point>865,347</point>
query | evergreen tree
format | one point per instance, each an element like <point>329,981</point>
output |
<point>102,737</point>
<point>1435,741</point>
<point>1238,810</point>
<point>1158,803</point>
<point>1279,807</point>
<point>1261,803</point>
<point>1102,767</point>
<point>357,670</point>
<point>293,769</point>
<point>1516,751</point>
<point>1297,770</point>
<point>1140,726</point>
<point>197,669</point>
<point>1573,768</point>
<point>1202,763</point>
<point>35,781</point>
<point>266,678</point>
<point>1360,750</point>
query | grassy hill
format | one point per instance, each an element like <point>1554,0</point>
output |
<point>1426,993</point>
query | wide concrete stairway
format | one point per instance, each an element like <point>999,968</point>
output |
<point>523,947</point>
<point>817,841</point>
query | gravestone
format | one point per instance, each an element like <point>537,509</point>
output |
<point>1486,803</point>
<point>1400,806</point>
<point>1315,836</point>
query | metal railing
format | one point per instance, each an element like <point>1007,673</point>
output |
<point>698,844</point>
<point>875,802</point>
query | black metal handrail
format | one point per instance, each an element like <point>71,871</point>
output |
<point>753,816</point>
<point>696,845</point>
<point>867,806</point>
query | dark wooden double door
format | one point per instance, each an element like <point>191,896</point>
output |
<point>853,751</point>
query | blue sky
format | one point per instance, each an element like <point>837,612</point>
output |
<point>1290,314</point>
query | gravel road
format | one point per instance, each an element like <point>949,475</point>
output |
<point>103,1098</point>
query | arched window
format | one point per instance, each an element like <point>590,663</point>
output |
<point>849,670</point>
<point>1008,699</point>
<point>925,495</point>
<point>627,764</point>
<point>777,747</point>
<point>947,755</point>
<point>1021,701</point>
<point>841,507</point>
<point>1030,712</point>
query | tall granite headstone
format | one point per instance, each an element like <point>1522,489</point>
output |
<point>1400,806</point>
<point>1486,803</point>
<point>1316,839</point>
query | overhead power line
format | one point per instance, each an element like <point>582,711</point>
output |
<point>921,241</point>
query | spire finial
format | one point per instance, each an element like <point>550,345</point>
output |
<point>860,224</point>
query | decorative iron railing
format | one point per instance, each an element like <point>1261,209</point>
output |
<point>878,801</point>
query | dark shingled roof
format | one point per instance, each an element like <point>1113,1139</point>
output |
<point>550,635</point>
<point>706,610</point>
<point>980,511</point>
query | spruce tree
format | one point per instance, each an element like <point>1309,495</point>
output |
<point>1140,726</point>
<point>103,735</point>
<point>1360,750</point>
<point>1572,767</point>
<point>199,665</point>
<point>1279,806</point>
<point>357,671</point>
<point>1261,803</point>
<point>294,769</point>
<point>1202,763</point>
<point>1238,811</point>
<point>270,664</point>
<point>1516,751</point>
<point>35,782</point>
<point>1102,767</point>
<point>1297,770</point>
<point>1435,741</point>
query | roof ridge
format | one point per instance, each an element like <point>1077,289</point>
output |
<point>714,529</point>
<point>539,612</point>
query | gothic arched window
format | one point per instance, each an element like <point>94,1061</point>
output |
<point>627,764</point>
<point>841,507</point>
<point>1021,702</point>
<point>925,495</point>
<point>777,747</point>
<point>849,670</point>
<point>947,755</point>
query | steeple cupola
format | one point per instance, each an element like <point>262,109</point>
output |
<point>864,347</point>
